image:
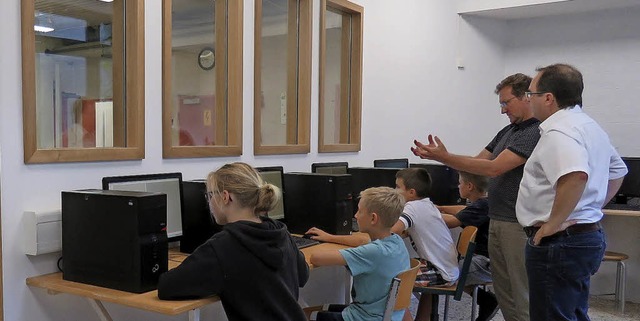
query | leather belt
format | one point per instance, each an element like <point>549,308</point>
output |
<point>573,229</point>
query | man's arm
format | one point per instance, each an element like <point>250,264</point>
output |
<point>612,188</point>
<point>482,164</point>
<point>569,189</point>
<point>326,258</point>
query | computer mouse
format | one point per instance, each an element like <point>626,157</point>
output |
<point>309,235</point>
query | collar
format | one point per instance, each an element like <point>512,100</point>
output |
<point>558,117</point>
<point>525,123</point>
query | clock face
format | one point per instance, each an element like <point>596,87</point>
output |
<point>207,58</point>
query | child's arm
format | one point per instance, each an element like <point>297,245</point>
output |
<point>352,240</point>
<point>399,229</point>
<point>451,209</point>
<point>326,258</point>
<point>451,220</point>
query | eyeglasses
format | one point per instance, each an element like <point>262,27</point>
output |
<point>208,196</point>
<point>528,94</point>
<point>503,104</point>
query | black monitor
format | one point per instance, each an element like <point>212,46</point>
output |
<point>330,168</point>
<point>168,183</point>
<point>365,177</point>
<point>198,225</point>
<point>631,183</point>
<point>274,175</point>
<point>444,184</point>
<point>392,163</point>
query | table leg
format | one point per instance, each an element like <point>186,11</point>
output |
<point>102,312</point>
<point>194,315</point>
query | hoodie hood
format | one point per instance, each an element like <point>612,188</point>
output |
<point>266,240</point>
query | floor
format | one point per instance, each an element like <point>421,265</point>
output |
<point>601,309</point>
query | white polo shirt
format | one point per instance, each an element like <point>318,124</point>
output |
<point>570,141</point>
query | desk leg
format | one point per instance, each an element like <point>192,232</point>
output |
<point>194,315</point>
<point>102,312</point>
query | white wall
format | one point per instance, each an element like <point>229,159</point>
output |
<point>411,87</point>
<point>605,47</point>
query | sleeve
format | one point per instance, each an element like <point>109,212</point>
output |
<point>617,167</point>
<point>495,140</point>
<point>407,216</point>
<point>476,214</point>
<point>360,259</point>
<point>198,276</point>
<point>525,142</point>
<point>303,269</point>
<point>562,155</point>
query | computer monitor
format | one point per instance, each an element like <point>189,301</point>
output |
<point>392,163</point>
<point>631,183</point>
<point>168,183</point>
<point>198,225</point>
<point>444,184</point>
<point>274,175</point>
<point>365,177</point>
<point>330,168</point>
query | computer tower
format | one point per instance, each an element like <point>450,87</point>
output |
<point>114,239</point>
<point>320,200</point>
<point>198,225</point>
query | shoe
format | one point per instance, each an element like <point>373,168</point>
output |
<point>488,305</point>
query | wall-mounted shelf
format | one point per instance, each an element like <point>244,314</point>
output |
<point>520,9</point>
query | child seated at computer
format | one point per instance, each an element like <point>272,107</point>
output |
<point>429,236</point>
<point>372,265</point>
<point>253,265</point>
<point>473,188</point>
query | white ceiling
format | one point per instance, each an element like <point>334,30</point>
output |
<point>546,9</point>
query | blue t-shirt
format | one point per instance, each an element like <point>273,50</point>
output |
<point>372,266</point>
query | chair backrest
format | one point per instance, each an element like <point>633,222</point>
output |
<point>401,289</point>
<point>466,247</point>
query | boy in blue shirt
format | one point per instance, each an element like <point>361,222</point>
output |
<point>372,265</point>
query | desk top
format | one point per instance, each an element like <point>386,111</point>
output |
<point>147,301</point>
<point>621,212</point>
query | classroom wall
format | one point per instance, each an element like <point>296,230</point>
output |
<point>412,86</point>
<point>605,46</point>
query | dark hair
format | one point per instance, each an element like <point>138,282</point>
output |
<point>416,178</point>
<point>519,83</point>
<point>480,182</point>
<point>564,82</point>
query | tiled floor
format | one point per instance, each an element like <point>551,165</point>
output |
<point>601,309</point>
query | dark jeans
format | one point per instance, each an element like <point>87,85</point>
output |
<point>559,271</point>
<point>334,313</point>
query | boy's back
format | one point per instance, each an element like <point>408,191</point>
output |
<point>373,266</point>
<point>430,236</point>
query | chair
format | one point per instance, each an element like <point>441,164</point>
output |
<point>466,247</point>
<point>401,289</point>
<point>621,276</point>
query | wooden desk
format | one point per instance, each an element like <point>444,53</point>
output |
<point>621,212</point>
<point>148,301</point>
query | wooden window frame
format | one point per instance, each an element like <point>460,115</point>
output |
<point>228,68</point>
<point>132,119</point>
<point>352,76</point>
<point>298,112</point>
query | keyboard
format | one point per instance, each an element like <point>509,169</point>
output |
<point>301,242</point>
<point>622,207</point>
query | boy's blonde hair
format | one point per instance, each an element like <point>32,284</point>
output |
<point>387,202</point>
<point>248,187</point>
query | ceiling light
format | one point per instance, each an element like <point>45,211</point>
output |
<point>42,28</point>
<point>106,0</point>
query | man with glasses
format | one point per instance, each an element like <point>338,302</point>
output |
<point>502,160</point>
<point>573,171</point>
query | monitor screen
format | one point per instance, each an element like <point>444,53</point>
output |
<point>330,168</point>
<point>392,163</point>
<point>168,183</point>
<point>444,184</point>
<point>365,177</point>
<point>631,183</point>
<point>274,175</point>
<point>198,225</point>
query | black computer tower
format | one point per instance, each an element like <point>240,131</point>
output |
<point>114,239</point>
<point>198,225</point>
<point>320,200</point>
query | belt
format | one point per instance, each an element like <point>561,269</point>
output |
<point>573,229</point>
